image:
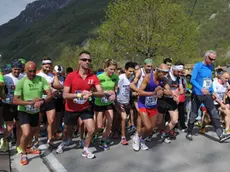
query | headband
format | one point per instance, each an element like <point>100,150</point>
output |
<point>178,67</point>
<point>162,70</point>
<point>46,62</point>
<point>148,61</point>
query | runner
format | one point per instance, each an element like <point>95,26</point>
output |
<point>77,91</point>
<point>203,89</point>
<point>59,102</point>
<point>104,106</point>
<point>220,87</point>
<point>168,61</point>
<point>135,84</point>
<point>49,109</point>
<point>23,61</point>
<point>188,96</point>
<point>28,95</point>
<point>150,90</point>
<point>10,112</point>
<point>123,97</point>
<point>169,103</point>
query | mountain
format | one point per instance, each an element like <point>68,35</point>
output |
<point>34,12</point>
<point>73,22</point>
<point>213,17</point>
<point>46,26</point>
<point>9,9</point>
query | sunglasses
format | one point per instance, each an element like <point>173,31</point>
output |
<point>32,71</point>
<point>84,60</point>
<point>211,59</point>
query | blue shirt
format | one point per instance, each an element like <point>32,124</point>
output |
<point>202,78</point>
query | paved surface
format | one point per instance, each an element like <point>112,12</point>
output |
<point>203,154</point>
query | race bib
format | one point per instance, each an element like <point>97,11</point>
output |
<point>79,100</point>
<point>44,96</point>
<point>150,101</point>
<point>31,109</point>
<point>220,95</point>
<point>104,100</point>
<point>124,94</point>
<point>207,83</point>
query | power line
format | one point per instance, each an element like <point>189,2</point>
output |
<point>193,8</point>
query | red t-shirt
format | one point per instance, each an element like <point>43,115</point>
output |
<point>77,84</point>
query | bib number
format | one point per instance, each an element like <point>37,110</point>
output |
<point>79,100</point>
<point>31,108</point>
<point>207,83</point>
<point>104,100</point>
<point>44,96</point>
<point>150,101</point>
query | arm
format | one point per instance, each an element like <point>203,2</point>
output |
<point>194,75</point>
<point>133,84</point>
<point>67,94</point>
<point>17,95</point>
<point>181,87</point>
<point>141,91</point>
<point>18,101</point>
<point>99,91</point>
<point>56,83</point>
<point>49,95</point>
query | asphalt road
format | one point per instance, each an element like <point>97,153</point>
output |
<point>204,154</point>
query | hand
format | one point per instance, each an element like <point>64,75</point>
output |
<point>228,93</point>
<point>122,107</point>
<point>110,92</point>
<point>38,104</point>
<point>158,88</point>
<point>111,95</point>
<point>86,94</point>
<point>205,91</point>
<point>160,93</point>
<point>214,97</point>
<point>175,92</point>
<point>176,98</point>
<point>36,99</point>
<point>135,93</point>
<point>55,73</point>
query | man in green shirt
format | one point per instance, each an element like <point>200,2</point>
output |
<point>28,97</point>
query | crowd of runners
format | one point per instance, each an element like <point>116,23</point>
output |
<point>112,103</point>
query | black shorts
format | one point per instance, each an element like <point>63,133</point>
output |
<point>25,118</point>
<point>227,100</point>
<point>71,118</point>
<point>166,104</point>
<point>59,104</point>
<point>10,112</point>
<point>123,107</point>
<point>47,106</point>
<point>132,100</point>
<point>103,108</point>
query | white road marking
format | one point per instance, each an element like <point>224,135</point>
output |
<point>52,161</point>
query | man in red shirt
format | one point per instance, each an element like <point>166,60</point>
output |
<point>77,91</point>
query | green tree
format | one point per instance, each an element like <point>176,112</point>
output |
<point>149,29</point>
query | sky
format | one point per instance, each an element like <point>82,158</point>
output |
<point>10,9</point>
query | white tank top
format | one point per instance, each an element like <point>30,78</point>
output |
<point>219,89</point>
<point>141,78</point>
